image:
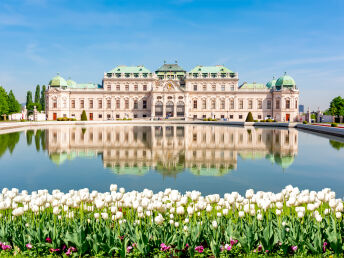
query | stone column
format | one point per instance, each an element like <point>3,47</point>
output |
<point>164,107</point>
<point>175,109</point>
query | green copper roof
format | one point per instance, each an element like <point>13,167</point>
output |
<point>253,86</point>
<point>170,68</point>
<point>129,69</point>
<point>86,86</point>
<point>210,69</point>
<point>71,83</point>
<point>284,161</point>
<point>271,83</point>
<point>285,80</point>
<point>58,81</point>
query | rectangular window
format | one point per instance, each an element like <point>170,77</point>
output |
<point>277,104</point>
<point>82,104</point>
<point>195,104</point>
<point>108,87</point>
<point>222,116</point>
<point>73,103</point>
<point>136,87</point>
<point>195,87</point>
<point>108,103</point>
<point>118,87</point>
<point>240,116</point>
<point>55,103</point>
<point>127,87</point>
<point>268,106</point>
<point>117,116</point>
<point>232,87</point>
<point>135,115</point>
<point>100,103</point>
<point>250,104</point>
<point>259,116</point>
<point>127,104</point>
<point>231,116</point>
<point>260,104</point>
<point>91,103</point>
<point>118,104</point>
<point>232,103</point>
<point>241,104</point>
<point>296,104</point>
<point>223,104</point>
<point>204,104</point>
<point>204,87</point>
<point>223,87</point>
<point>100,116</point>
<point>287,104</point>
<point>144,104</point>
<point>213,104</point>
<point>145,87</point>
<point>203,116</point>
<point>136,106</point>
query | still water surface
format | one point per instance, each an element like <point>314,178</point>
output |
<point>211,159</point>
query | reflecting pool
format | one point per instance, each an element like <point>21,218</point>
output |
<point>211,159</point>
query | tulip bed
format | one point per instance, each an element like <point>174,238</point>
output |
<point>166,224</point>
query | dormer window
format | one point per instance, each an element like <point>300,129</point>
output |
<point>127,75</point>
<point>195,75</point>
<point>136,75</point>
<point>213,75</point>
<point>223,75</point>
<point>204,75</point>
<point>109,75</point>
<point>144,75</point>
<point>118,75</point>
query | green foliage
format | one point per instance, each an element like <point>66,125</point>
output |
<point>65,119</point>
<point>334,125</point>
<point>305,122</point>
<point>8,142</point>
<point>83,116</point>
<point>37,94</point>
<point>269,120</point>
<point>13,104</point>
<point>337,106</point>
<point>32,105</point>
<point>42,99</point>
<point>29,134</point>
<point>249,117</point>
<point>337,145</point>
<point>4,108</point>
<point>28,98</point>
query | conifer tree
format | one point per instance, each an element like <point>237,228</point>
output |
<point>28,98</point>
<point>38,94</point>
<point>83,116</point>
<point>13,104</point>
<point>43,98</point>
<point>249,117</point>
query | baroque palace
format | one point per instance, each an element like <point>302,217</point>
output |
<point>204,92</point>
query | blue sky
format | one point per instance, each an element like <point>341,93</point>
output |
<point>82,39</point>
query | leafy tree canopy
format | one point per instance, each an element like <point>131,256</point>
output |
<point>3,102</point>
<point>13,104</point>
<point>337,106</point>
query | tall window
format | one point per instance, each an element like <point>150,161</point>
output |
<point>100,103</point>
<point>232,87</point>
<point>136,87</point>
<point>277,104</point>
<point>195,87</point>
<point>127,87</point>
<point>118,87</point>
<point>204,104</point>
<point>126,104</point>
<point>108,103</point>
<point>73,103</point>
<point>287,104</point>
<point>118,104</point>
<point>195,104</point>
<point>136,105</point>
<point>82,103</point>
<point>213,104</point>
<point>268,106</point>
<point>223,104</point>
<point>260,104</point>
<point>108,87</point>
<point>232,103</point>
<point>91,103</point>
<point>145,87</point>
<point>250,104</point>
<point>54,103</point>
<point>144,104</point>
<point>241,104</point>
<point>296,104</point>
<point>204,87</point>
<point>64,103</point>
<point>223,87</point>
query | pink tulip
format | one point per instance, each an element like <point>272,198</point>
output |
<point>199,249</point>
<point>294,248</point>
<point>28,246</point>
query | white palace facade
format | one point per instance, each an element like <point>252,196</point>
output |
<point>134,92</point>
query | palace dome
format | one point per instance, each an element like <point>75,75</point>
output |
<point>285,81</point>
<point>271,83</point>
<point>71,83</point>
<point>58,81</point>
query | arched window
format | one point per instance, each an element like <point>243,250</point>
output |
<point>195,104</point>
<point>213,104</point>
<point>287,104</point>
<point>232,103</point>
<point>204,104</point>
<point>158,109</point>
<point>180,109</point>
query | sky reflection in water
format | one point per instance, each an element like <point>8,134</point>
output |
<point>211,159</point>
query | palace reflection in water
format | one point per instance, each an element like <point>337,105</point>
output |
<point>203,150</point>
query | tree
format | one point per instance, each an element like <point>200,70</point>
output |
<point>3,102</point>
<point>32,105</point>
<point>13,104</point>
<point>38,94</point>
<point>83,116</point>
<point>28,98</point>
<point>43,97</point>
<point>249,117</point>
<point>337,106</point>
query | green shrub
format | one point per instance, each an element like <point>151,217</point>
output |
<point>22,120</point>
<point>205,119</point>
<point>249,117</point>
<point>83,116</point>
<point>255,120</point>
<point>262,121</point>
<point>334,125</point>
<point>305,122</point>
<point>269,120</point>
